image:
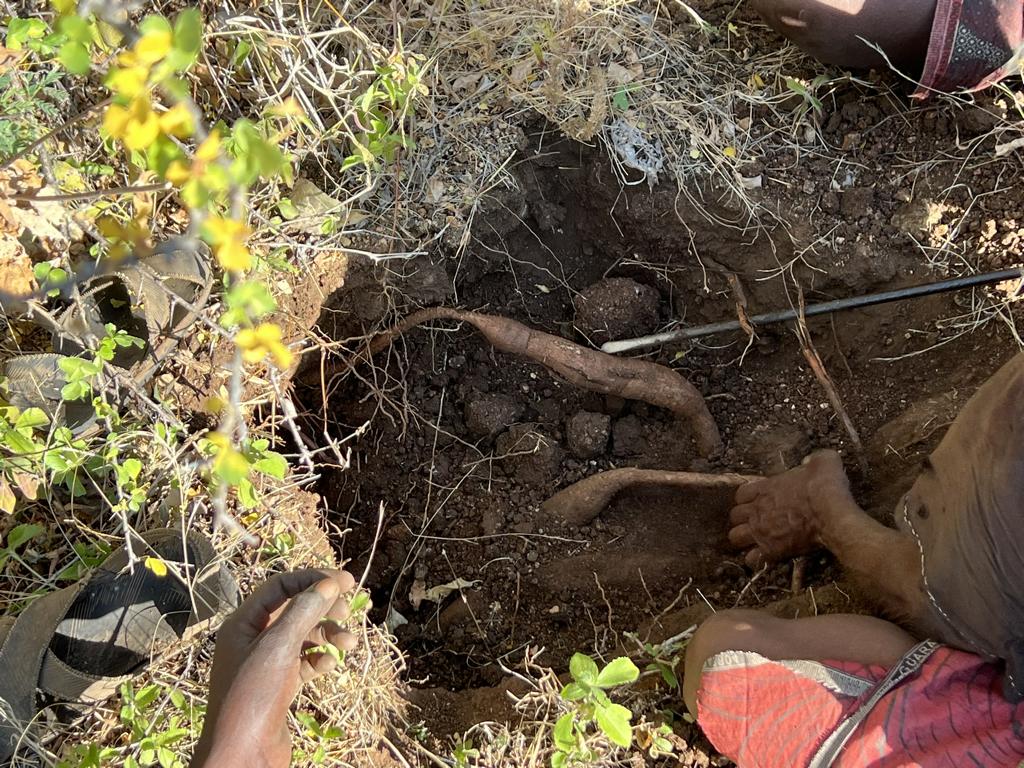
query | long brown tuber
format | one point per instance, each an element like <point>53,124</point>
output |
<point>587,368</point>
<point>583,501</point>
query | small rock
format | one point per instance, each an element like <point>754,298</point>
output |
<point>487,415</point>
<point>628,437</point>
<point>528,455</point>
<point>531,556</point>
<point>587,434</point>
<point>490,522</point>
<point>617,308</point>
<point>857,202</point>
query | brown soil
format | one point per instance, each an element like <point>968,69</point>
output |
<point>465,444</point>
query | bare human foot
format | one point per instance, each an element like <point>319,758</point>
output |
<point>265,653</point>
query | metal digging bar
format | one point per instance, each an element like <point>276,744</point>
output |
<point>811,310</point>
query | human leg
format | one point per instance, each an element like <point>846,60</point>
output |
<point>858,639</point>
<point>829,30</point>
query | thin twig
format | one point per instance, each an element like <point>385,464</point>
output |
<point>818,367</point>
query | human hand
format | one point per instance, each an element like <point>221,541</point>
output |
<point>263,657</point>
<point>782,516</point>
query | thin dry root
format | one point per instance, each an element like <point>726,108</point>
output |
<point>583,501</point>
<point>590,369</point>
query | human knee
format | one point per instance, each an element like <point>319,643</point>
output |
<point>734,629</point>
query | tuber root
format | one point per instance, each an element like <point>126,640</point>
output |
<point>583,501</point>
<point>590,369</point>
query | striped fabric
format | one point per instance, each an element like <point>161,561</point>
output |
<point>776,714</point>
<point>972,45</point>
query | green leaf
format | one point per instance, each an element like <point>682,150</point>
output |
<point>564,736</point>
<point>360,603</point>
<point>21,534</point>
<point>273,464</point>
<point>618,672</point>
<point>669,676</point>
<point>240,54</point>
<point>583,668</point>
<point>287,209</point>
<point>56,461</point>
<point>76,390</point>
<point>75,58</point>
<point>147,695</point>
<point>575,691</point>
<point>620,100</point>
<point>31,418</point>
<point>247,494</point>
<point>20,444</point>
<point>188,33</point>
<point>155,23</point>
<point>559,759</point>
<point>20,31</point>
<point>76,28</point>
<point>133,467</point>
<point>166,758</point>
<point>614,723</point>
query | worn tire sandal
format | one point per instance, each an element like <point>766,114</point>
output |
<point>80,643</point>
<point>156,299</point>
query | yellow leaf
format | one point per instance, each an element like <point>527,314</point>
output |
<point>128,82</point>
<point>234,256</point>
<point>213,404</point>
<point>210,148</point>
<point>140,135</point>
<point>115,120</point>
<point>7,497</point>
<point>282,356</point>
<point>287,108</point>
<point>221,230</point>
<point>177,173</point>
<point>177,121</point>
<point>729,151</point>
<point>153,46</point>
<point>156,565</point>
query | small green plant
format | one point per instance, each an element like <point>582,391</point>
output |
<point>382,110</point>
<point>808,92</point>
<point>588,694</point>
<point>665,657</point>
<point>655,740</point>
<point>156,721</point>
<point>234,468</point>
<point>81,373</point>
<point>463,753</point>
<point>321,735</point>
<point>50,278</point>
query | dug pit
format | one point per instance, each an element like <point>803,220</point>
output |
<point>465,443</point>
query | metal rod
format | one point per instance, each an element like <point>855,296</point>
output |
<point>824,308</point>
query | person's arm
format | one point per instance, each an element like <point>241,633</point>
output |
<point>266,651</point>
<point>810,507</point>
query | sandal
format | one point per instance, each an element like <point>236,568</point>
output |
<point>139,299</point>
<point>81,643</point>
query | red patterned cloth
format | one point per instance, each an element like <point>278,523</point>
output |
<point>972,45</point>
<point>776,714</point>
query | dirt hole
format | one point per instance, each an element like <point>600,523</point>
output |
<point>465,444</point>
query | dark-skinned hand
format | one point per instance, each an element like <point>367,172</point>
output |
<point>782,516</point>
<point>263,658</point>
